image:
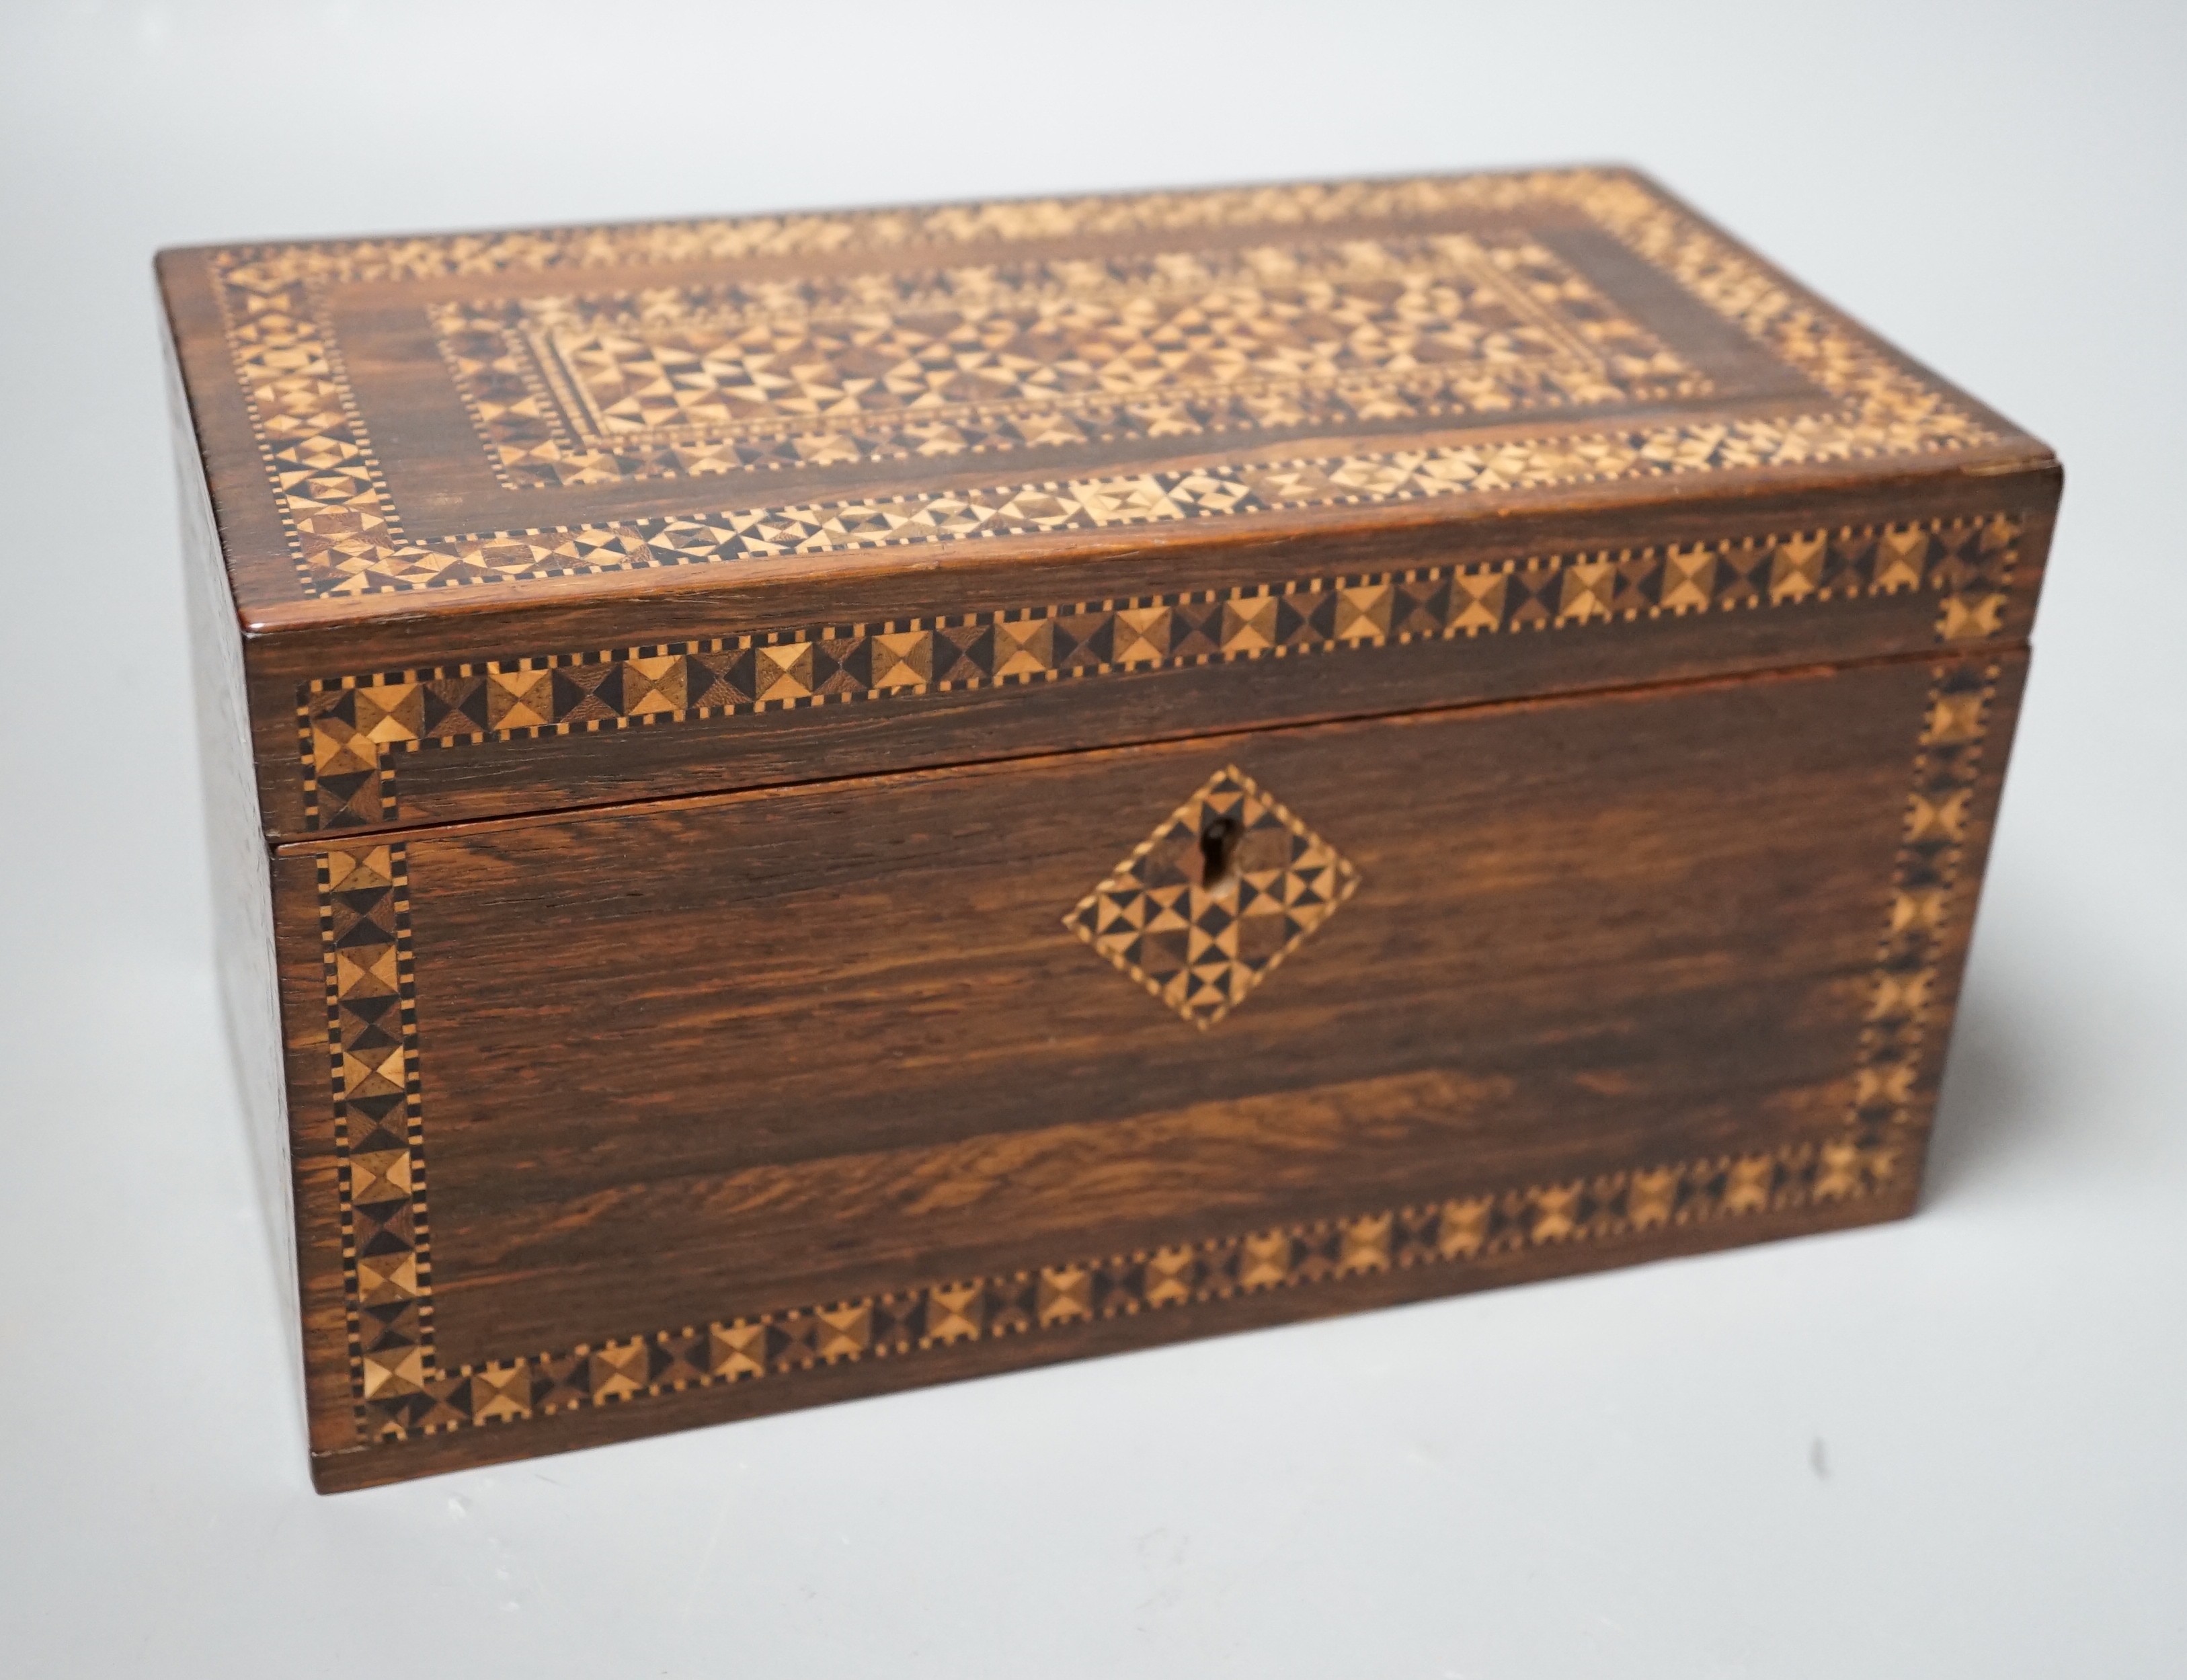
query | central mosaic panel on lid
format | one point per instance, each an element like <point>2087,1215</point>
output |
<point>593,389</point>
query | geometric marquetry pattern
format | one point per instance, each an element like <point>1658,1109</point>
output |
<point>400,1391</point>
<point>1455,1232</point>
<point>347,537</point>
<point>1925,877</point>
<point>352,729</point>
<point>372,1041</point>
<point>1200,949</point>
<point>593,388</point>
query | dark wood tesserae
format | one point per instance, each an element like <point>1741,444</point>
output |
<point>808,804</point>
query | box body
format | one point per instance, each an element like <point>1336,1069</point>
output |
<point>876,797</point>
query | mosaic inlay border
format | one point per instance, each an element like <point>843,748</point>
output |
<point>346,537</point>
<point>372,1046</point>
<point>399,1390</point>
<point>1925,880</point>
<point>353,730</point>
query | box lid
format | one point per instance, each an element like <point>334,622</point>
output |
<point>521,488</point>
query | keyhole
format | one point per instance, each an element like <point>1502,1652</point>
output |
<point>1218,853</point>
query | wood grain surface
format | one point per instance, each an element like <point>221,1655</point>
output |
<point>1450,371</point>
<point>689,1062</point>
<point>701,699</point>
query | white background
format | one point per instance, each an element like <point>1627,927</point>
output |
<point>1953,1447</point>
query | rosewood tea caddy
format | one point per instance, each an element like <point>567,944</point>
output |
<point>809,804</point>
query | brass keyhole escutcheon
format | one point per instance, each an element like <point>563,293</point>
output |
<point>1218,854</point>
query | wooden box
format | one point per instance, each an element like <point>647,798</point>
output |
<point>814,803</point>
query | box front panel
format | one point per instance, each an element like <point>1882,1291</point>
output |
<point>682,1111</point>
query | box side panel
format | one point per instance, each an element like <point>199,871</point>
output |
<point>242,892</point>
<point>1484,994</point>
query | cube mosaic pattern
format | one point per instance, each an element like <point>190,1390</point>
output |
<point>596,388</point>
<point>1198,948</point>
<point>353,730</point>
<point>1924,897</point>
<point>372,1041</point>
<point>348,538</point>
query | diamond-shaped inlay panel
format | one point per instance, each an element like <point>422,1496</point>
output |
<point>1208,904</point>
